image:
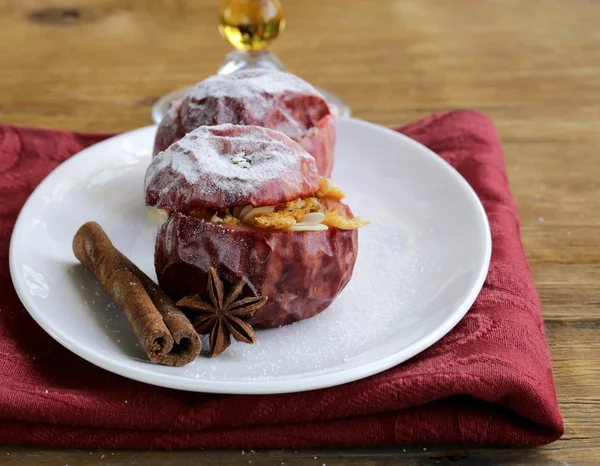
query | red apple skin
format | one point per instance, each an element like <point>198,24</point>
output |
<point>300,272</point>
<point>169,129</point>
<point>321,145</point>
<point>298,111</point>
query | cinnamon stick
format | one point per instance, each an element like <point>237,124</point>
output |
<point>165,333</point>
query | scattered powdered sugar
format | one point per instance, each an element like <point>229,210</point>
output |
<point>247,83</point>
<point>270,98</point>
<point>227,165</point>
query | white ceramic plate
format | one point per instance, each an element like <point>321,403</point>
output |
<point>421,264</point>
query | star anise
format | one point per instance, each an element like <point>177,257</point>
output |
<point>223,316</point>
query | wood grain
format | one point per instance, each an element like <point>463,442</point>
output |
<point>532,65</point>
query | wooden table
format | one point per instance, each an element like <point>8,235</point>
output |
<point>532,65</point>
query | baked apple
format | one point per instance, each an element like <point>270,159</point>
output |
<point>249,202</point>
<point>273,99</point>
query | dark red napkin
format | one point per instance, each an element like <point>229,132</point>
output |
<point>489,381</point>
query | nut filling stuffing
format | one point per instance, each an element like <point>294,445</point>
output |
<point>319,212</point>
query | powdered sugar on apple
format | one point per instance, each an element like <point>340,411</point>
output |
<point>260,92</point>
<point>272,99</point>
<point>248,83</point>
<point>229,165</point>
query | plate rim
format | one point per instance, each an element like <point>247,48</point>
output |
<point>319,379</point>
